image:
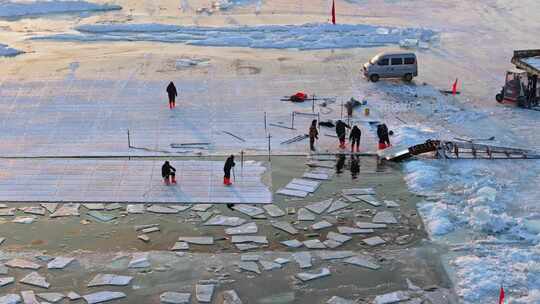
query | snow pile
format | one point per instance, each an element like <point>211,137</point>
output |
<point>480,274</point>
<point>190,62</point>
<point>11,9</point>
<point>229,4</point>
<point>6,51</point>
<point>441,221</point>
<point>488,211</point>
<point>303,37</point>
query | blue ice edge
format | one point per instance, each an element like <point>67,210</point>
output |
<point>311,36</point>
<point>6,51</point>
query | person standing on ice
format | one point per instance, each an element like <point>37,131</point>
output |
<point>341,132</point>
<point>354,138</point>
<point>386,136</point>
<point>229,164</point>
<point>171,91</point>
<point>313,134</point>
<point>380,135</point>
<point>168,171</point>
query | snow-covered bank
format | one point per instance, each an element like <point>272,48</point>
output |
<point>487,211</point>
<point>303,37</point>
<point>12,9</point>
<point>6,51</point>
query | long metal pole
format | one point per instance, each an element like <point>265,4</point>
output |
<point>129,139</point>
<point>269,148</point>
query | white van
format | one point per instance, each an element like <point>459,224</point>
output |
<point>391,65</point>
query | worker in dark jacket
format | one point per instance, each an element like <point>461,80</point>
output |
<point>354,138</point>
<point>229,164</point>
<point>313,134</point>
<point>168,171</point>
<point>380,135</point>
<point>171,91</point>
<point>386,136</point>
<point>341,132</point>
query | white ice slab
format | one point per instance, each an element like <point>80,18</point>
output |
<point>249,266</point>
<point>285,226</point>
<point>298,187</point>
<point>339,300</point>
<point>274,210</point>
<point>109,279</point>
<point>292,243</point>
<point>374,241</point>
<point>170,297</point>
<point>35,279</point>
<point>319,207</point>
<point>198,240</point>
<point>248,228</point>
<point>103,296</point>
<point>314,244</point>
<point>338,237</point>
<point>220,220</point>
<point>259,239</point>
<point>358,191</point>
<point>384,217</point>
<point>20,263</point>
<point>248,210</point>
<point>204,293</point>
<point>334,255</point>
<point>370,199</point>
<point>60,263</point>
<point>231,297</point>
<point>6,280</point>
<point>337,205</point>
<point>51,297</point>
<point>101,181</point>
<point>362,261</point>
<point>308,276</point>
<point>393,297</point>
<point>294,193</point>
<point>317,176</point>
<point>305,215</point>
<point>321,225</point>
<point>365,225</point>
<point>303,259</point>
<point>352,230</point>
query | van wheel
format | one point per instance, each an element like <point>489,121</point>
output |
<point>374,78</point>
<point>499,97</point>
<point>407,77</point>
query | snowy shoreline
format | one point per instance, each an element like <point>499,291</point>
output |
<point>310,36</point>
<point>9,9</point>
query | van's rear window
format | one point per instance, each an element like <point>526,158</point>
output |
<point>409,60</point>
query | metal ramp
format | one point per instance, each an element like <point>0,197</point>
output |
<point>458,150</point>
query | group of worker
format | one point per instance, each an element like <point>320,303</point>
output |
<point>354,136</point>
<point>168,172</point>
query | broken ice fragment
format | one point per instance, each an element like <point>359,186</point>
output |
<point>308,276</point>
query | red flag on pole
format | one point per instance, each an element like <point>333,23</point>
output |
<point>333,12</point>
<point>454,87</point>
<point>501,296</point>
